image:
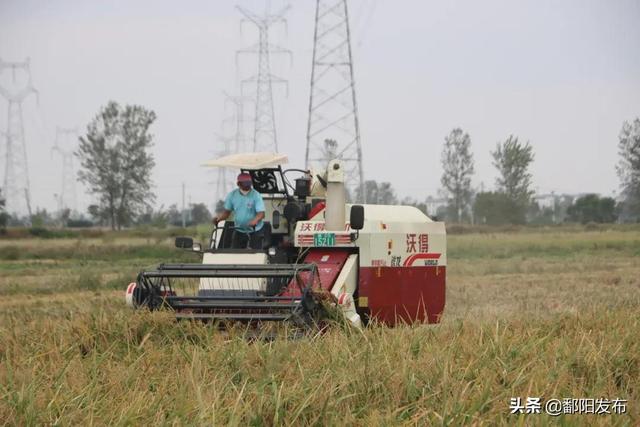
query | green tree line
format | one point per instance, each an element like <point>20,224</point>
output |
<point>117,163</point>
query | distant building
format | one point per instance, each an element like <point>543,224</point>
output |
<point>546,200</point>
<point>433,204</point>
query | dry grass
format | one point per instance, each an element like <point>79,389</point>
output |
<point>528,314</point>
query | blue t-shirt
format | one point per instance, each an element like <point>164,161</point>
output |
<point>244,208</point>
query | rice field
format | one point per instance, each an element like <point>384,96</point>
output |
<point>548,313</point>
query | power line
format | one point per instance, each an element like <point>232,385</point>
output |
<point>16,173</point>
<point>333,129</point>
<point>363,28</point>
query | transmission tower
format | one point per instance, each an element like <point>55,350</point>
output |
<point>333,129</point>
<point>264,130</point>
<point>234,141</point>
<point>16,172</point>
<point>222,182</point>
<point>67,197</point>
<point>237,122</point>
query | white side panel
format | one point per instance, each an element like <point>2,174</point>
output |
<point>231,283</point>
<point>398,244</point>
<point>345,287</point>
<point>346,280</point>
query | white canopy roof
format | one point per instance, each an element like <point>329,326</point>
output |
<point>248,161</point>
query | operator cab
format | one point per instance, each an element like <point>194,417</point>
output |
<point>288,198</point>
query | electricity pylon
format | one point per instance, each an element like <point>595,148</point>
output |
<point>240,142</point>
<point>223,185</point>
<point>333,129</point>
<point>264,132</point>
<point>233,138</point>
<point>67,197</point>
<point>16,172</point>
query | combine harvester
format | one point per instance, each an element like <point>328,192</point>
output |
<point>387,263</point>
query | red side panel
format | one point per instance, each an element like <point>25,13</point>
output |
<point>329,261</point>
<point>404,294</point>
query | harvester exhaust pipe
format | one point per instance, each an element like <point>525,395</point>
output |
<point>335,216</point>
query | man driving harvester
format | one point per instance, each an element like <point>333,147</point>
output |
<point>248,212</point>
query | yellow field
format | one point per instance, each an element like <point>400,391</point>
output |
<point>550,314</point>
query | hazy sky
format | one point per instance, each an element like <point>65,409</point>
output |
<point>563,75</point>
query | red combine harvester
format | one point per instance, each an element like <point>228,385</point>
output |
<point>386,263</point>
